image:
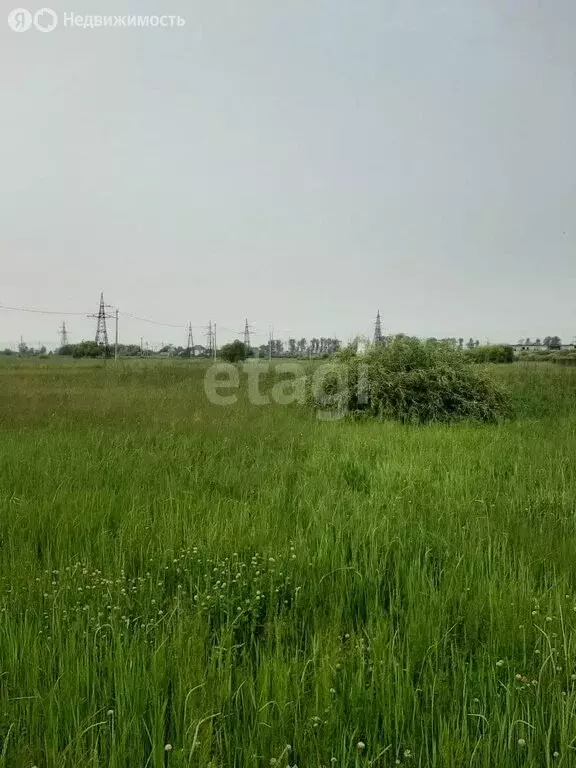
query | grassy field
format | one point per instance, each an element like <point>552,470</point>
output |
<point>184,584</point>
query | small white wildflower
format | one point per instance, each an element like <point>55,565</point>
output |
<point>521,743</point>
<point>110,713</point>
<point>555,754</point>
<point>168,748</point>
<point>360,746</point>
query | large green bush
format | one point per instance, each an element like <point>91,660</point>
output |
<point>411,381</point>
<point>235,352</point>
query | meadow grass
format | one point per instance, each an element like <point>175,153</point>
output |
<point>251,586</point>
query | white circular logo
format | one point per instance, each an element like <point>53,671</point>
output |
<point>45,20</point>
<point>20,20</point>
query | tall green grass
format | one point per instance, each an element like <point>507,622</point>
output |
<point>250,585</point>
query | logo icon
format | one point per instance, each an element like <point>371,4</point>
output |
<point>45,20</point>
<point>20,20</point>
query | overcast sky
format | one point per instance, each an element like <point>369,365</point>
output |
<point>301,163</point>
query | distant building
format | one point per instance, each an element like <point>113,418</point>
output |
<point>530,346</point>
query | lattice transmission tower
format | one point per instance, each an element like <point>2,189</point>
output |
<point>247,335</point>
<point>378,330</point>
<point>210,339</point>
<point>190,342</point>
<point>63,336</point>
<point>101,329</point>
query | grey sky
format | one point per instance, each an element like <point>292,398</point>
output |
<point>300,163</point>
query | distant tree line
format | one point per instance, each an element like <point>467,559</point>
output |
<point>316,346</point>
<point>94,350</point>
<point>301,347</point>
<point>25,351</point>
<point>550,342</point>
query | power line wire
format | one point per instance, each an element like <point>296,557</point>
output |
<point>40,311</point>
<point>254,330</point>
<point>155,322</point>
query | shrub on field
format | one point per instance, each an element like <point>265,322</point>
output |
<point>498,353</point>
<point>85,349</point>
<point>565,359</point>
<point>235,352</point>
<point>409,380</point>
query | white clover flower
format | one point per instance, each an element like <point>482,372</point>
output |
<point>521,743</point>
<point>168,748</point>
<point>360,746</point>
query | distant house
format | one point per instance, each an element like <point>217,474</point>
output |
<point>532,346</point>
<point>529,346</point>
